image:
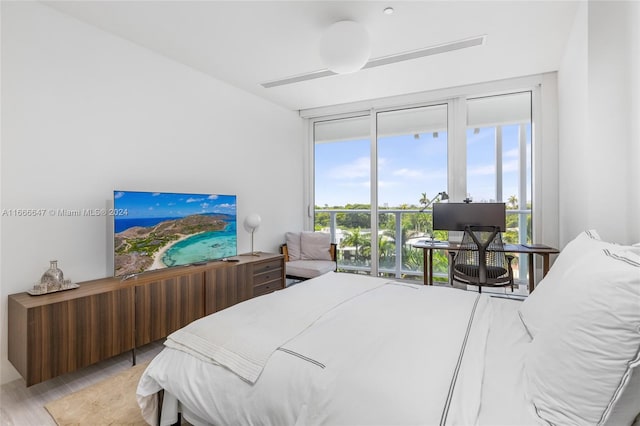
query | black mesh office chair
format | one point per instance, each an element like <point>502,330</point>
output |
<point>481,260</point>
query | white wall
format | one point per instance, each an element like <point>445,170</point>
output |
<point>633,22</point>
<point>599,180</point>
<point>84,112</point>
<point>572,127</point>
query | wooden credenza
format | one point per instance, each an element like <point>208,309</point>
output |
<point>57,333</point>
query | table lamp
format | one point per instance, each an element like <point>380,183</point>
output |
<point>251,223</point>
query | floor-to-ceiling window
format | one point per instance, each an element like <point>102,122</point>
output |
<point>375,173</point>
<point>412,147</point>
<point>499,161</point>
<point>342,188</point>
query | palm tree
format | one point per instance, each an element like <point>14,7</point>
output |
<point>412,258</point>
<point>423,199</point>
<point>355,239</point>
<point>513,202</point>
<point>386,248</point>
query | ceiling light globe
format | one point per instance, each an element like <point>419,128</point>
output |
<point>345,47</point>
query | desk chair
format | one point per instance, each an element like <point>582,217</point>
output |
<point>481,260</point>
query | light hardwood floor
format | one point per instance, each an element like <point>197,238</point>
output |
<point>24,406</point>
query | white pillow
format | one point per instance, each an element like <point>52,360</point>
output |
<point>580,364</point>
<point>315,246</point>
<point>293,245</point>
<point>542,304</point>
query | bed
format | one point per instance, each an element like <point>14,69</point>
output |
<point>345,349</point>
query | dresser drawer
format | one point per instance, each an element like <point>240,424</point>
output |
<point>267,266</point>
<point>267,288</point>
<point>270,275</point>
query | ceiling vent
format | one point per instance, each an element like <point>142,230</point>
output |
<point>385,60</point>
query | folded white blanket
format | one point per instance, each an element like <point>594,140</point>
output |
<point>243,337</point>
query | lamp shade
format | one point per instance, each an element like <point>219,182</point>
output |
<point>345,47</point>
<point>252,222</point>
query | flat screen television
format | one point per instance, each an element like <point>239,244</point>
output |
<point>155,230</point>
<point>455,216</point>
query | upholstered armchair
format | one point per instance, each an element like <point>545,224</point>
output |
<point>308,254</point>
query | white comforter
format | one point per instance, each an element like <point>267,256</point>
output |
<point>370,352</point>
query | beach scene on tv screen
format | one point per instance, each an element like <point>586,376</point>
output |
<point>155,230</point>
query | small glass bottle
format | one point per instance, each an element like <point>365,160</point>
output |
<point>53,275</point>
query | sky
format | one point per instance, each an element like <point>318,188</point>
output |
<point>409,166</point>
<point>162,204</point>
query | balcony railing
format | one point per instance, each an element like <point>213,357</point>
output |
<point>403,261</point>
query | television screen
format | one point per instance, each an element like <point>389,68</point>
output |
<point>455,216</point>
<point>155,230</point>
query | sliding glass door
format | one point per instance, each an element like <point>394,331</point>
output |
<point>375,175</point>
<point>342,182</point>
<point>499,161</point>
<point>412,146</point>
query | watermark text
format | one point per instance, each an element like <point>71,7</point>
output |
<point>59,212</point>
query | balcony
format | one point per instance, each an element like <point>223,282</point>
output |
<point>350,230</point>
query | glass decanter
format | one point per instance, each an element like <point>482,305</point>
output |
<point>53,275</point>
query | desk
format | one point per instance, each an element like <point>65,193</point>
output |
<point>428,247</point>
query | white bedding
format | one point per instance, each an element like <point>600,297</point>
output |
<point>503,396</point>
<point>396,354</point>
<point>243,339</point>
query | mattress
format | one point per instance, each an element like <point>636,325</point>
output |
<point>390,353</point>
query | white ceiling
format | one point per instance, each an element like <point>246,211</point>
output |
<point>246,43</point>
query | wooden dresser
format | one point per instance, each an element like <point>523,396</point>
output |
<point>57,333</point>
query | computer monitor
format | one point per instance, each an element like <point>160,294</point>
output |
<point>455,216</point>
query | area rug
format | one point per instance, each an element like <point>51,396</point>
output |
<point>109,402</point>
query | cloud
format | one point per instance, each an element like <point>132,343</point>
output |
<point>118,194</point>
<point>155,194</point>
<point>212,197</point>
<point>194,200</point>
<point>413,174</point>
<point>482,170</point>
<point>512,165</point>
<point>388,184</point>
<point>408,173</point>
<point>358,168</point>
<point>512,153</point>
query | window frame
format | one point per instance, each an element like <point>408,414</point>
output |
<point>543,191</point>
